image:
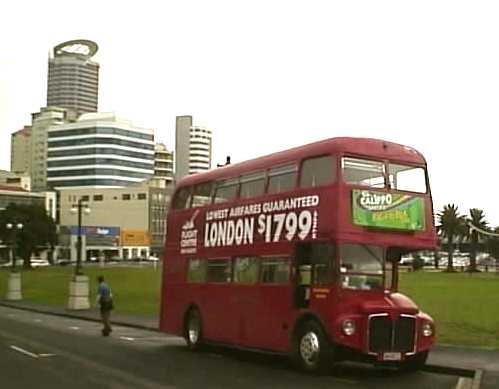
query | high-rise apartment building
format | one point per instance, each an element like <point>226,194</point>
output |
<point>20,151</point>
<point>48,117</point>
<point>99,150</point>
<point>163,163</point>
<point>73,78</point>
<point>192,147</point>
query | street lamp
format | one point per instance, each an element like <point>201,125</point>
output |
<point>77,208</point>
<point>14,286</point>
<point>14,228</point>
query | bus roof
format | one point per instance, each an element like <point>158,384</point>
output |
<point>366,147</point>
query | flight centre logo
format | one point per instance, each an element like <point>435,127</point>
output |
<point>189,236</point>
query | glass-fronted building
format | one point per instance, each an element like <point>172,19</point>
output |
<point>99,150</point>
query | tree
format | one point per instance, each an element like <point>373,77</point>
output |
<point>38,232</point>
<point>477,219</point>
<point>452,225</point>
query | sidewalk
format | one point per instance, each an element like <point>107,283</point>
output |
<point>93,314</point>
<point>441,355</point>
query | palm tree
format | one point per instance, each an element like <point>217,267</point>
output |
<point>452,225</point>
<point>477,219</point>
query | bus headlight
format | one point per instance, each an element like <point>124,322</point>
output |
<point>427,329</point>
<point>348,327</point>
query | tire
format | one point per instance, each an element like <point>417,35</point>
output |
<point>312,351</point>
<point>193,329</point>
<point>416,362</point>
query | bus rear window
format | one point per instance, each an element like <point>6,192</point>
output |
<point>282,178</point>
<point>363,172</point>
<point>408,178</point>
<point>182,199</point>
<point>317,171</point>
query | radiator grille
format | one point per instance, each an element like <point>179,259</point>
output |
<point>387,335</point>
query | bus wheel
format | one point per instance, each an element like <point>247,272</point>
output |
<point>312,351</point>
<point>193,329</point>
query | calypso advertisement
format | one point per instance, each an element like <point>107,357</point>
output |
<point>388,210</point>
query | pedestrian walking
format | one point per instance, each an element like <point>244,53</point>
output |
<point>105,301</point>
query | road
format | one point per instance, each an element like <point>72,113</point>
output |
<point>44,351</point>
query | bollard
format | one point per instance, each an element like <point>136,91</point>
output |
<point>79,293</point>
<point>14,287</point>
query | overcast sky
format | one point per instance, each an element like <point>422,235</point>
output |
<point>269,75</point>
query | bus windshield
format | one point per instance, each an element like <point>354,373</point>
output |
<point>361,266</point>
<point>374,174</point>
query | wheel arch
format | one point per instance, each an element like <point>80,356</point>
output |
<point>302,319</point>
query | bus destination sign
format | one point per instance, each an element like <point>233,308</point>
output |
<point>388,210</point>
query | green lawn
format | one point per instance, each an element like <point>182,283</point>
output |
<point>465,308</point>
<point>135,290</point>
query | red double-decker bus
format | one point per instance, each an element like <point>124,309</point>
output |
<point>297,252</point>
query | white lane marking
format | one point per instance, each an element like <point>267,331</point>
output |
<point>38,320</point>
<point>32,355</point>
<point>127,338</point>
<point>74,328</point>
<point>25,352</point>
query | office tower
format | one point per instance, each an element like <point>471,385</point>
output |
<point>163,163</point>
<point>20,151</point>
<point>48,117</point>
<point>192,147</point>
<point>73,78</point>
<point>99,150</point>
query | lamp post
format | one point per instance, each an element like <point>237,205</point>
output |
<point>79,208</point>
<point>14,228</point>
<point>14,286</point>
<point>79,285</point>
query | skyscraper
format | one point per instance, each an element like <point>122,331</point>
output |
<point>163,163</point>
<point>48,117</point>
<point>73,78</point>
<point>20,151</point>
<point>192,147</point>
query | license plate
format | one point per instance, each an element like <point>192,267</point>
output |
<point>392,356</point>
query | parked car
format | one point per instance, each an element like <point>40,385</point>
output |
<point>38,262</point>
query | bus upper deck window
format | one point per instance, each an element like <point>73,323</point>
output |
<point>202,194</point>
<point>408,178</point>
<point>182,199</point>
<point>363,172</point>
<point>318,171</point>
<point>252,185</point>
<point>226,190</point>
<point>282,178</point>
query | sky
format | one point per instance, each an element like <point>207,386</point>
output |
<point>270,75</point>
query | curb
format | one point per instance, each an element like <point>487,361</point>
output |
<point>74,316</point>
<point>468,378</point>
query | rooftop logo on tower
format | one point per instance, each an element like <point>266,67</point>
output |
<point>78,47</point>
